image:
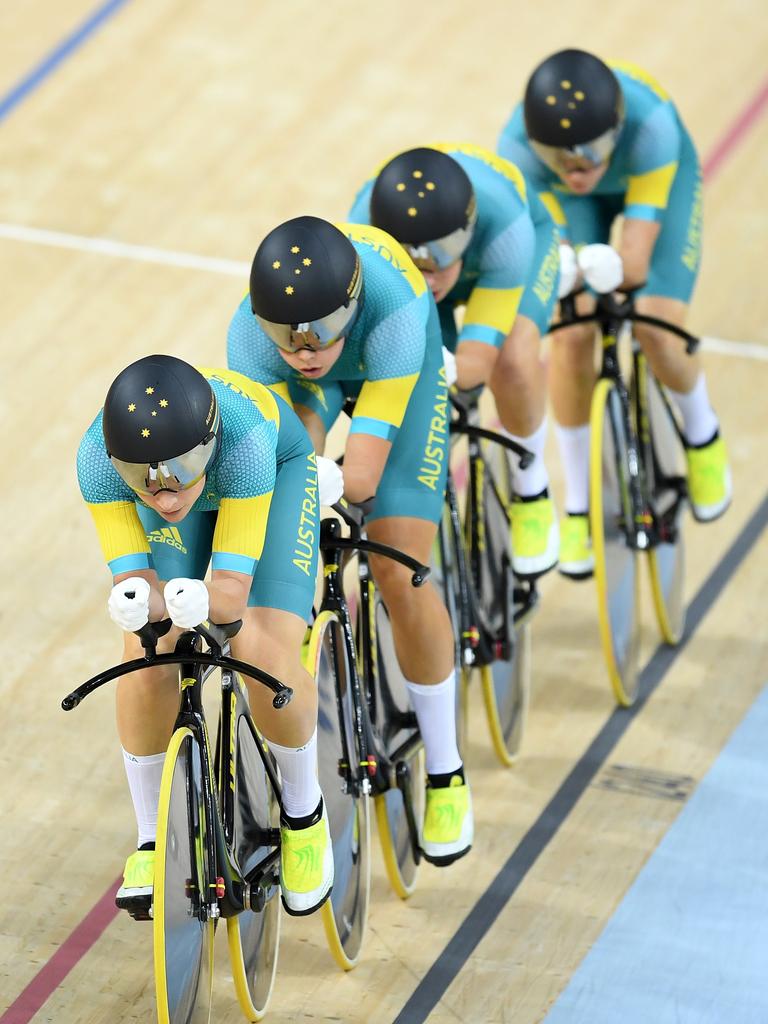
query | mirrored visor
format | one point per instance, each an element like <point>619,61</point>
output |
<point>443,252</point>
<point>176,474</point>
<point>314,334</point>
<point>578,158</point>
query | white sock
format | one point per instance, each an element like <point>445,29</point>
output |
<point>144,774</point>
<point>534,479</point>
<point>298,769</point>
<point>574,455</point>
<point>699,420</point>
<point>435,708</point>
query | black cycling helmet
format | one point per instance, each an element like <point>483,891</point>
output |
<point>572,99</point>
<point>161,424</point>
<point>425,200</point>
<point>306,284</point>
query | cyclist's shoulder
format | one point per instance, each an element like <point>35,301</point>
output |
<point>99,482</point>
<point>390,278</point>
<point>244,403</point>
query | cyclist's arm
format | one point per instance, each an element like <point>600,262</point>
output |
<point>379,413</point>
<point>653,162</point>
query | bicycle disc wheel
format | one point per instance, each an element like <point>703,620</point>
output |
<point>395,726</point>
<point>666,561</point>
<point>506,681</point>
<point>616,563</point>
<point>345,914</point>
<point>253,936</point>
<point>183,935</point>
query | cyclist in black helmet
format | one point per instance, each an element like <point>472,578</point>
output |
<point>485,243</point>
<point>341,311</point>
<point>598,140</point>
<point>182,467</point>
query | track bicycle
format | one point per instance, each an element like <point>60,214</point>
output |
<point>368,740</point>
<point>637,490</point>
<point>490,607</point>
<point>217,852</point>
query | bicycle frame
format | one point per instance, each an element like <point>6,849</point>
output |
<point>644,525</point>
<point>481,644</point>
<point>227,891</point>
<point>377,771</point>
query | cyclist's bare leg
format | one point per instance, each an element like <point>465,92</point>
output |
<point>518,380</point>
<point>271,639</point>
<point>147,701</point>
<point>665,352</point>
<point>421,625</point>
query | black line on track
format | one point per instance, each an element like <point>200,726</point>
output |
<point>481,918</point>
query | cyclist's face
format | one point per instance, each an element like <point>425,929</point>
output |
<point>312,364</point>
<point>174,505</point>
<point>581,177</point>
<point>440,282</point>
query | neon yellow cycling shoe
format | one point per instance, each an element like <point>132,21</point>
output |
<point>448,823</point>
<point>709,480</point>
<point>135,894</point>
<point>577,560</point>
<point>306,866</point>
<point>535,537</point>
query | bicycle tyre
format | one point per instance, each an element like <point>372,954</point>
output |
<point>616,563</point>
<point>345,913</point>
<point>183,936</point>
<point>506,681</point>
<point>666,560</point>
<point>253,937</point>
<point>391,817</point>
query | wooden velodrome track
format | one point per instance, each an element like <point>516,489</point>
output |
<point>193,128</point>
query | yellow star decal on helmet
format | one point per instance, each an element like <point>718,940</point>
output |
<point>412,211</point>
<point>295,249</point>
<point>565,123</point>
<point>307,261</point>
<point>132,407</point>
<point>551,101</point>
<point>431,186</point>
<point>145,432</point>
<point>400,186</point>
<point>163,403</point>
<point>418,174</point>
<point>154,412</point>
<point>565,84</point>
<point>149,391</point>
<point>289,290</point>
<point>276,265</point>
<point>579,94</point>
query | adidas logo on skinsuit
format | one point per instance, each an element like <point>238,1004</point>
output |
<point>167,535</point>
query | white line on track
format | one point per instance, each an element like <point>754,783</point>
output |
<point>234,268</point>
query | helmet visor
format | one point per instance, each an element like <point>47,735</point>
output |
<point>577,158</point>
<point>443,252</point>
<point>176,474</point>
<point>314,334</point>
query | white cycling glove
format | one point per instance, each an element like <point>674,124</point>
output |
<point>569,271</point>
<point>128,603</point>
<point>602,267</point>
<point>187,602</point>
<point>330,481</point>
<point>449,362</point>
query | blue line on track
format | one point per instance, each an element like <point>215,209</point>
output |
<point>57,56</point>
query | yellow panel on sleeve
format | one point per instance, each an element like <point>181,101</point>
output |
<point>554,208</point>
<point>241,526</point>
<point>494,307</point>
<point>119,529</point>
<point>386,400</point>
<point>651,188</point>
<point>636,72</point>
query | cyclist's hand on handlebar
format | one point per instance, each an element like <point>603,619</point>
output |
<point>187,602</point>
<point>128,603</point>
<point>602,267</point>
<point>330,481</point>
<point>569,270</point>
<point>449,362</point>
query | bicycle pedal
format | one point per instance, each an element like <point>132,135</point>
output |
<point>139,907</point>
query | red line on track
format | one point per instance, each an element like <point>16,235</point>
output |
<point>728,142</point>
<point>72,950</point>
<point>90,929</point>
